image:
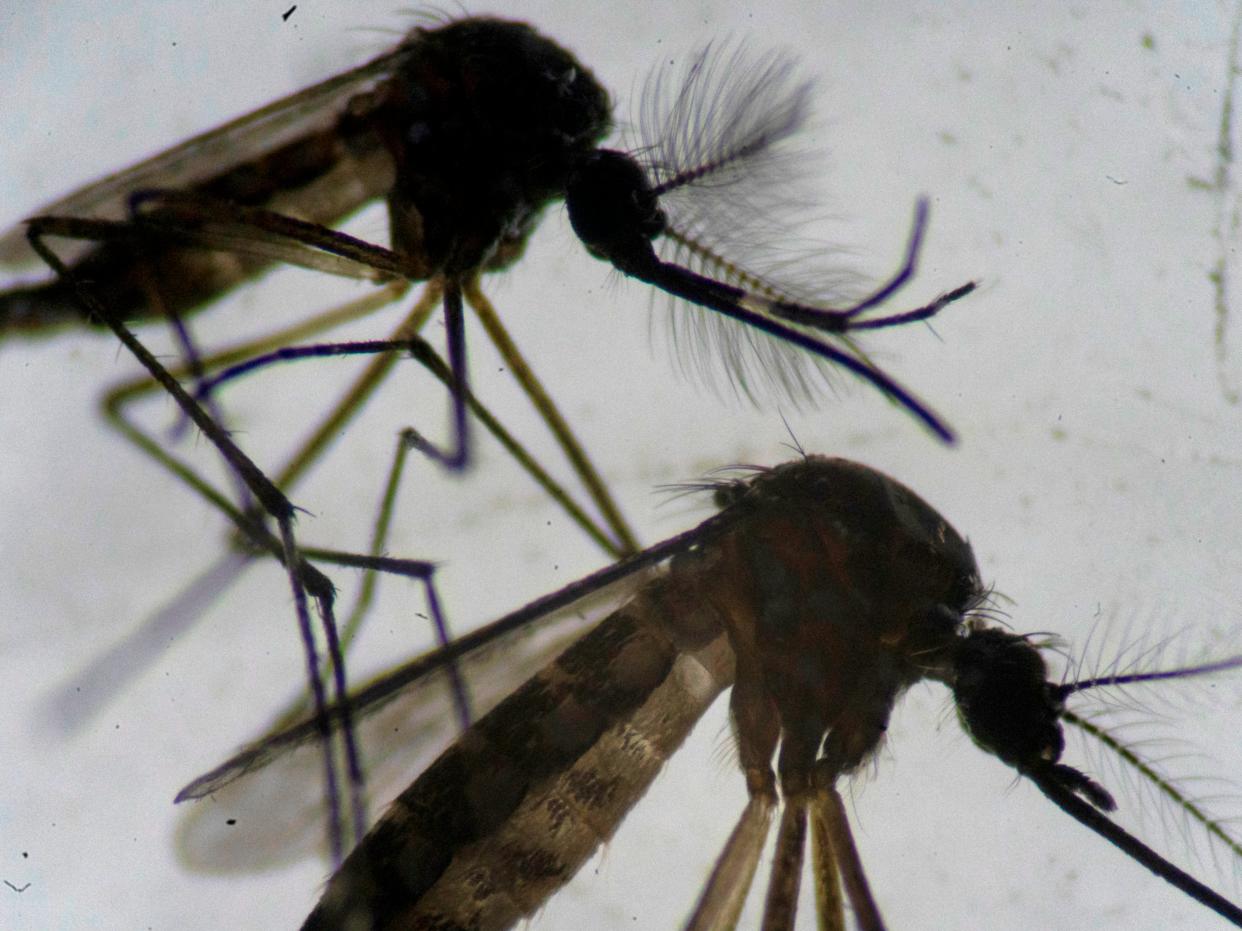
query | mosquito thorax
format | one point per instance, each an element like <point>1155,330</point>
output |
<point>896,548</point>
<point>484,120</point>
<point>613,209</point>
<point>854,587</point>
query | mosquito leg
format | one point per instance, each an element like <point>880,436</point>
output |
<point>829,811</point>
<point>302,576</point>
<point>370,577</point>
<point>336,827</point>
<point>756,727</point>
<point>359,393</point>
<point>86,693</point>
<point>192,362</point>
<point>461,696</point>
<point>428,358</point>
<point>318,323</point>
<point>829,903</point>
<point>723,896</point>
<point>387,356</point>
<point>424,572</point>
<point>119,396</point>
<point>780,909</point>
<point>379,545</point>
<point>456,456</point>
<point>421,570</point>
<point>552,416</point>
<point>255,232</point>
<point>130,657</point>
<point>193,365</point>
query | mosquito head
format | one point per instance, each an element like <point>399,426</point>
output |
<point>613,209</point>
<point>1010,709</point>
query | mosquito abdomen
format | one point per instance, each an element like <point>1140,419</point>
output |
<point>506,816</point>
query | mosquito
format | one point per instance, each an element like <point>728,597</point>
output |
<point>820,592</point>
<point>463,195</point>
<point>467,130</point>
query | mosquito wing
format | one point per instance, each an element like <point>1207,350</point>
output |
<point>215,153</point>
<point>267,806</point>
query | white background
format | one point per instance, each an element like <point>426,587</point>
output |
<point>1097,473</point>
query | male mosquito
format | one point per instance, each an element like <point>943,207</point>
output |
<point>821,591</point>
<point>467,130</point>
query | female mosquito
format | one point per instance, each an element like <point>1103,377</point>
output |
<point>467,130</point>
<point>821,591</point>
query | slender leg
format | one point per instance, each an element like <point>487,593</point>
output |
<point>267,235</point>
<point>69,704</point>
<point>831,811</point>
<point>551,415</point>
<point>251,355</point>
<point>722,898</point>
<point>302,576</point>
<point>456,456</point>
<point>830,906</point>
<point>264,233</point>
<point>89,691</point>
<point>780,909</point>
<point>421,570</point>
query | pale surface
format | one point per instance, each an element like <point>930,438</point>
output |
<point>1097,474</point>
